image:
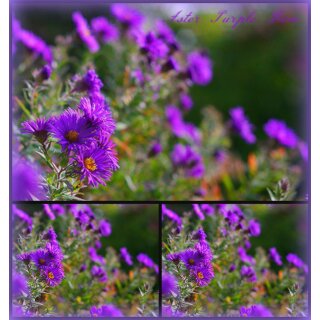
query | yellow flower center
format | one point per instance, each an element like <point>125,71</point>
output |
<point>90,164</point>
<point>72,136</point>
<point>42,261</point>
<point>200,275</point>
<point>191,261</point>
<point>50,275</point>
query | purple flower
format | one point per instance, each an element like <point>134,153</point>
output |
<point>191,258</point>
<point>200,68</point>
<point>279,131</point>
<point>105,228</point>
<point>26,181</point>
<point>189,160</point>
<point>200,235</point>
<point>19,285</point>
<point>186,101</point>
<point>45,72</point>
<point>90,82</point>
<point>153,47</point>
<point>95,257</point>
<point>248,273</point>
<point>145,260</point>
<point>125,256</point>
<point>98,272</point>
<point>105,311</point>
<point>254,228</point>
<point>170,64</point>
<point>296,261</point>
<point>232,267</point>
<point>255,311</point>
<point>35,44</point>
<point>167,311</point>
<point>207,209</point>
<point>203,274</point>
<point>275,256</point>
<point>40,258</point>
<point>198,212</point>
<point>97,244</point>
<point>22,215</point>
<point>95,164</point>
<point>24,257</point>
<point>180,128</point>
<point>50,235</point>
<point>244,257</point>
<point>84,32</point>
<point>171,215</point>
<point>57,209</point>
<point>241,125</point>
<point>169,284</point>
<point>174,257</point>
<point>48,211</point>
<point>54,252</point>
<point>155,149</point>
<point>104,30</point>
<point>53,275</point>
<point>128,16</point>
<point>72,129</point>
<point>165,33</point>
<point>203,250</point>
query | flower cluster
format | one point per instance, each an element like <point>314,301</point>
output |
<point>212,266</point>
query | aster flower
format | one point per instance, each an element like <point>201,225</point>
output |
<point>241,125</point>
<point>186,101</point>
<point>105,228</point>
<point>207,209</point>
<point>169,284</point>
<point>203,274</point>
<point>84,32</point>
<point>39,128</point>
<point>53,275</point>
<point>128,16</point>
<point>105,311</point>
<point>95,165</point>
<point>203,250</point>
<point>198,212</point>
<point>279,131</point>
<point>45,72</point>
<point>19,285</point>
<point>57,209</point>
<point>171,215</point>
<point>190,160</point>
<point>104,30</point>
<point>155,149</point>
<point>72,129</point>
<point>200,235</point>
<point>191,258</point>
<point>165,33</point>
<point>294,260</point>
<point>153,47</point>
<point>275,256</point>
<point>248,273</point>
<point>54,252</point>
<point>98,272</point>
<point>174,257</point>
<point>50,235</point>
<point>200,68</point>
<point>24,257</point>
<point>254,228</point>
<point>48,211</point>
<point>255,311</point>
<point>90,82</point>
<point>125,256</point>
<point>40,258</point>
<point>170,64</point>
<point>244,257</point>
<point>145,260</point>
<point>95,257</point>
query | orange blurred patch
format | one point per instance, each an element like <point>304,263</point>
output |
<point>131,275</point>
<point>280,274</point>
<point>216,192</point>
<point>123,146</point>
<point>278,153</point>
<point>252,163</point>
<point>67,268</point>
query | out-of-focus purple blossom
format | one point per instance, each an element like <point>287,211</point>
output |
<point>19,285</point>
<point>275,256</point>
<point>128,16</point>
<point>247,244</point>
<point>98,244</point>
<point>48,211</point>
<point>254,228</point>
<point>90,82</point>
<point>44,73</point>
<point>255,311</point>
<point>171,215</point>
<point>294,260</point>
<point>279,131</point>
<point>153,47</point>
<point>189,160</point>
<point>26,181</point>
<point>207,209</point>
<point>95,257</point>
<point>220,155</point>
<point>39,128</point>
<point>199,68</point>
<point>22,215</point>
<point>139,76</point>
<point>170,64</point>
<point>105,228</point>
<point>50,235</point>
<point>99,273</point>
<point>107,310</point>
<point>125,256</point>
<point>169,284</point>
<point>104,30</point>
<point>84,32</point>
<point>200,192</point>
<point>165,33</point>
<point>174,257</point>
<point>186,101</point>
<point>83,268</point>
<point>248,273</point>
<point>155,149</point>
<point>241,125</point>
<point>58,209</point>
<point>167,311</point>
<point>244,257</point>
<point>200,235</point>
<point>24,257</point>
<point>232,267</point>
<point>197,210</point>
<point>179,127</point>
<point>145,260</point>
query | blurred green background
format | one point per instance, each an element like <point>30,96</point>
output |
<point>134,226</point>
<point>284,226</point>
<point>261,66</point>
